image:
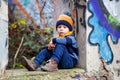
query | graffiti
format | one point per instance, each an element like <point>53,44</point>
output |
<point>99,35</point>
<point>32,11</point>
<point>105,23</point>
<point>111,10</point>
<point>110,27</point>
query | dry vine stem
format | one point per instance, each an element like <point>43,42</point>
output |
<point>17,52</point>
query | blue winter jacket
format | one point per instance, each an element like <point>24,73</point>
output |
<point>71,44</point>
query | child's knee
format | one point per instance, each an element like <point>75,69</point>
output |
<point>61,46</point>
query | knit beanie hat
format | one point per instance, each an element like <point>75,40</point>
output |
<point>65,20</point>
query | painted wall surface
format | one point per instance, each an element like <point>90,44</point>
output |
<point>103,39</point>
<point>32,9</point>
<point>3,34</point>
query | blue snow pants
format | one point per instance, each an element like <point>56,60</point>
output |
<point>60,54</point>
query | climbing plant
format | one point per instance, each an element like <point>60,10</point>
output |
<point>34,38</point>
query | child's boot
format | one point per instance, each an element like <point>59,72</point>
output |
<point>51,65</point>
<point>30,65</point>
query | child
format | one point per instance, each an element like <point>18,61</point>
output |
<point>62,51</point>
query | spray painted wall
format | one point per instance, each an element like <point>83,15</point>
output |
<point>103,43</point>
<point>40,12</point>
<point>3,34</point>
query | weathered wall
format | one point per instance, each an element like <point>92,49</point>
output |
<point>3,34</point>
<point>80,31</point>
<point>103,43</point>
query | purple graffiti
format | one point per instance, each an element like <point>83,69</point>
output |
<point>103,20</point>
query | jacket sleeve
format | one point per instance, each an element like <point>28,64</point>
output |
<point>66,40</point>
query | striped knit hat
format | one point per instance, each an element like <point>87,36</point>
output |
<point>65,20</point>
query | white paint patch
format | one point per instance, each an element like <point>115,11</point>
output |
<point>113,8</point>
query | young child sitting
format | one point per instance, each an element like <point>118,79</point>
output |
<point>62,51</point>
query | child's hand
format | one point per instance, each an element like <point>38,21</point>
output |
<point>51,46</point>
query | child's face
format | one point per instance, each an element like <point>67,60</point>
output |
<point>62,30</point>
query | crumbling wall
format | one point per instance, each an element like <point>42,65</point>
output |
<point>103,39</point>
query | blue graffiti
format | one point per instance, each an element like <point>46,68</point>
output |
<point>103,20</point>
<point>26,3</point>
<point>99,36</point>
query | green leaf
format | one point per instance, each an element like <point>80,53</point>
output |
<point>36,48</point>
<point>28,43</point>
<point>48,30</point>
<point>32,35</point>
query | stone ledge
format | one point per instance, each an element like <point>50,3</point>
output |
<point>61,74</point>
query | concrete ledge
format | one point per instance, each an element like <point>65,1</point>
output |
<point>62,74</point>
